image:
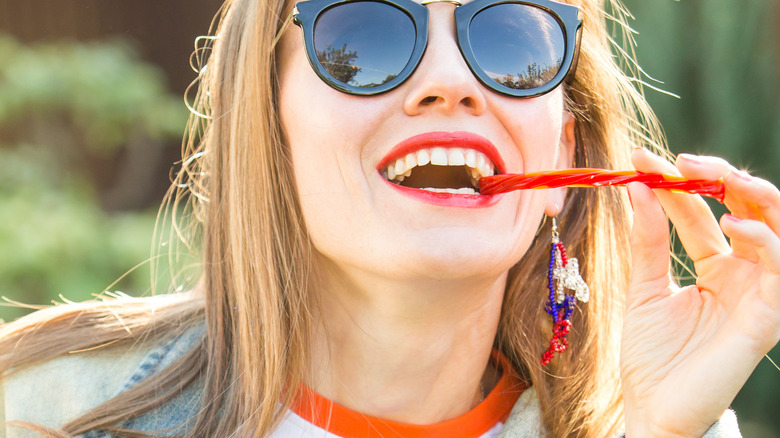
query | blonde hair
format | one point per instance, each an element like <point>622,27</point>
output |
<point>236,186</point>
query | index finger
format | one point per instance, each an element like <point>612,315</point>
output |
<point>697,227</point>
<point>747,197</point>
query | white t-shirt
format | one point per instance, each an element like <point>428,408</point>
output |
<point>314,416</point>
<point>293,426</point>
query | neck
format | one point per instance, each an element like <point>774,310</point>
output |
<point>409,351</point>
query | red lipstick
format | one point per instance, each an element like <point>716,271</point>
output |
<point>460,139</point>
<point>446,140</point>
<point>447,199</point>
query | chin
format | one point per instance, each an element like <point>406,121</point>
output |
<point>454,258</point>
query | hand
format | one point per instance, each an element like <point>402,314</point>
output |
<point>686,352</point>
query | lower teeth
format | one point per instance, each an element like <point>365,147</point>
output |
<point>461,191</point>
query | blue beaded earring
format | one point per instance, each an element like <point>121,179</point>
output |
<point>563,274</point>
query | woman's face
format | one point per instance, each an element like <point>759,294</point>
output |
<point>341,146</point>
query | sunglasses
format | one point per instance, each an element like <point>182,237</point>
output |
<point>520,48</point>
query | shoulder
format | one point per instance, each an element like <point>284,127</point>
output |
<point>58,390</point>
<point>526,421</point>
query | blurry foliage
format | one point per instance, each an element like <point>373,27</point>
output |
<point>64,107</point>
<point>103,89</point>
<point>722,58</point>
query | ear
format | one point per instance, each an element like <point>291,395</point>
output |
<point>565,160</point>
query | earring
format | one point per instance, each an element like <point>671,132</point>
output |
<point>563,274</point>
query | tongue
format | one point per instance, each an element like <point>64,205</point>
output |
<point>440,177</point>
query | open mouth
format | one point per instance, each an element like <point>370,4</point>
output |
<point>441,170</point>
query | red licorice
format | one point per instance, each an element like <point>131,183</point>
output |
<point>588,177</point>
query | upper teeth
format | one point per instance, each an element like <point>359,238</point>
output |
<point>479,164</point>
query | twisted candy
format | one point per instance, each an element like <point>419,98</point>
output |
<point>588,177</point>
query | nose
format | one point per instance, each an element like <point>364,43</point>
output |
<point>443,81</point>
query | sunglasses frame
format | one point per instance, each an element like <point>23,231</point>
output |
<point>306,13</point>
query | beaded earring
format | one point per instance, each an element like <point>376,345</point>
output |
<point>563,274</point>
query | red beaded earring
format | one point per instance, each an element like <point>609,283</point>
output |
<point>563,274</point>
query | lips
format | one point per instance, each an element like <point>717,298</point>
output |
<point>441,162</point>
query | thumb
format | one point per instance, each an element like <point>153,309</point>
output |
<point>649,246</point>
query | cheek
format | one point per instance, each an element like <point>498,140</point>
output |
<point>332,135</point>
<point>326,132</point>
<point>535,127</point>
<point>309,121</point>
<point>318,121</point>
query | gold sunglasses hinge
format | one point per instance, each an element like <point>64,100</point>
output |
<point>454,2</point>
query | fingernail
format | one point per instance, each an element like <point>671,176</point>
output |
<point>741,174</point>
<point>732,218</point>
<point>690,158</point>
<point>641,149</point>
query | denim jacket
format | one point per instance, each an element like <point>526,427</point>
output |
<point>59,390</point>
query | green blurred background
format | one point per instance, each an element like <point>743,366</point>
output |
<point>91,119</point>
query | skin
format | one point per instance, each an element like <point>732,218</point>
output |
<point>409,293</point>
<point>687,351</point>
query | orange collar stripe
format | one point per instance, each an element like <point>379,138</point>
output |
<point>347,423</point>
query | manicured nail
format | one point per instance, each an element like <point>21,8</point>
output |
<point>691,158</point>
<point>731,218</point>
<point>741,174</point>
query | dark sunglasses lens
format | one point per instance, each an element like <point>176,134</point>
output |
<point>364,44</point>
<point>519,46</point>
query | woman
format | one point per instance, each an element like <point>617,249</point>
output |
<point>348,288</point>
